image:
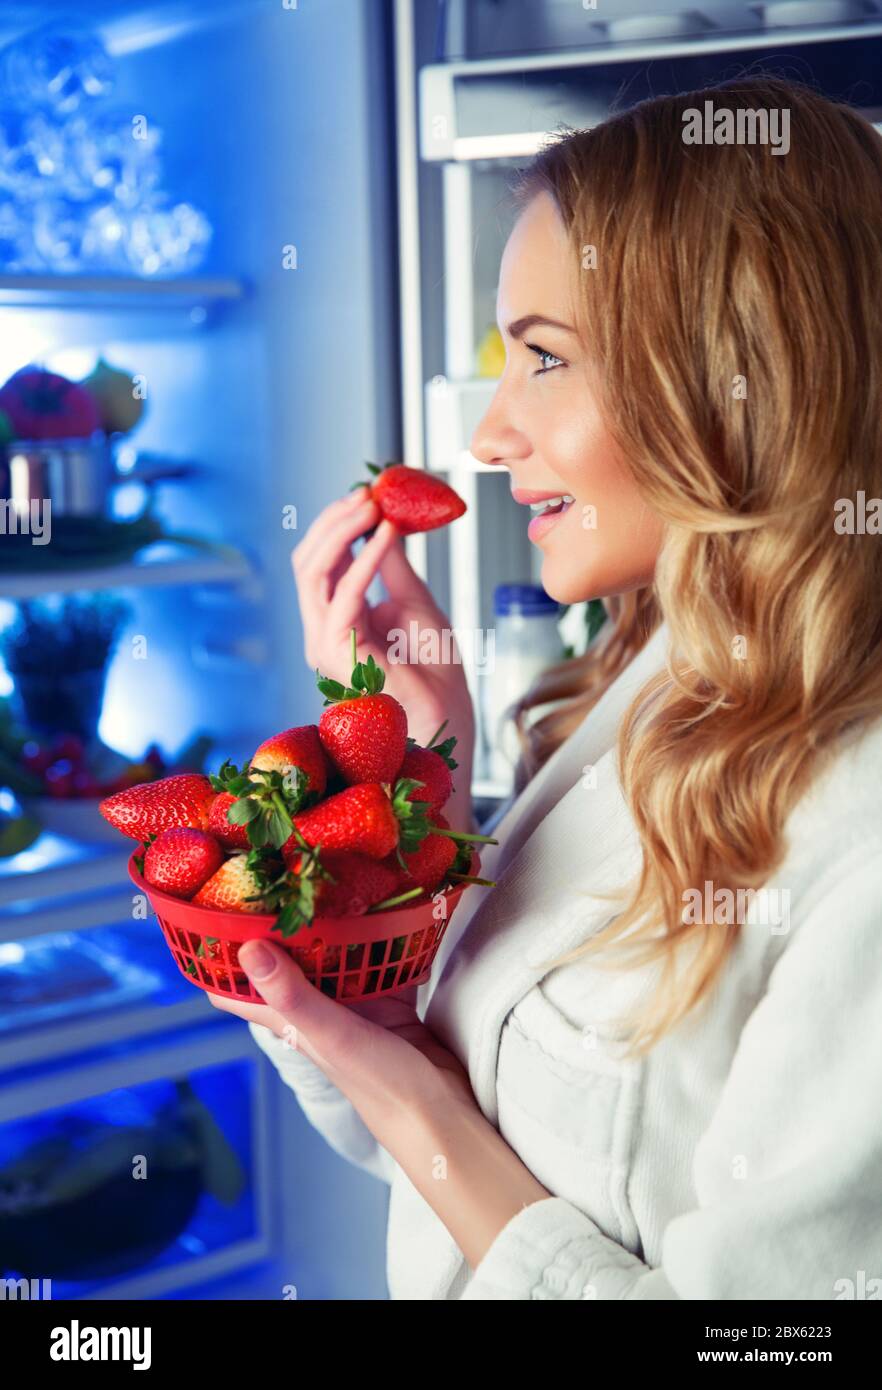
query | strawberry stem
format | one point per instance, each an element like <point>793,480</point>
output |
<point>437,734</point>
<point>472,878</point>
<point>399,898</point>
<point>282,809</point>
<point>367,678</point>
<point>463,836</point>
<point>444,750</point>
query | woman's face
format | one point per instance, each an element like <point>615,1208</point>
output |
<point>545,427</point>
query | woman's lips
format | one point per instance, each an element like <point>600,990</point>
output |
<point>549,505</point>
<point>526,497</point>
<point>547,520</point>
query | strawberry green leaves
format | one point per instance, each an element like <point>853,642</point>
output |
<point>444,750</point>
<point>367,679</point>
<point>292,895</point>
<point>265,801</point>
<point>413,824</point>
<point>139,858</point>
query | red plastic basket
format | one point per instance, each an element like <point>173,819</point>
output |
<point>348,958</point>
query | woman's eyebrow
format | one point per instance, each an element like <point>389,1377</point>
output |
<point>519,327</point>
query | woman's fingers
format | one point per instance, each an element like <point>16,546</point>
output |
<point>319,567</point>
<point>328,553</point>
<point>347,601</point>
<point>403,584</point>
<point>334,537</point>
<point>326,521</point>
<point>252,1013</point>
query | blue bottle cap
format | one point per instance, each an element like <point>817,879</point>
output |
<point>525,600</point>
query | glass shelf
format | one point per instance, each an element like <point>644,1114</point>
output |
<point>54,866</point>
<point>160,565</point>
<point>186,294</point>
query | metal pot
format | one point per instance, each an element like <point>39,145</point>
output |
<point>76,475</point>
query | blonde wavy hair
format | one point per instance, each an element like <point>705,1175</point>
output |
<point>718,264</point>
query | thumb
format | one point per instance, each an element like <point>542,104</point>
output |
<point>327,1032</point>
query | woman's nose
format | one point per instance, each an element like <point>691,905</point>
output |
<point>495,441</point>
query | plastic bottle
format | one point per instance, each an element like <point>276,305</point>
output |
<point>527,642</point>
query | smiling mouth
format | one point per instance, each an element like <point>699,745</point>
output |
<point>552,506</point>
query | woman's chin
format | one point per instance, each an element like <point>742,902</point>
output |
<point>564,586</point>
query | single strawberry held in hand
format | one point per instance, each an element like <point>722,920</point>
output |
<point>181,859</point>
<point>412,499</point>
<point>363,732</point>
<point>151,807</point>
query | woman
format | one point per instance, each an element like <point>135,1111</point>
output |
<point>631,1077</point>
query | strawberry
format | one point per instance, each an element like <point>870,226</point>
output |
<point>338,882</point>
<point>151,807</point>
<point>181,859</point>
<point>363,732</point>
<point>335,883</point>
<point>235,887</point>
<point>359,818</point>
<point>294,749</point>
<point>211,948</point>
<point>431,768</point>
<point>412,499</point>
<point>365,738</point>
<point>356,882</point>
<point>231,836</point>
<point>288,771</point>
<point>316,956</point>
<point>428,864</point>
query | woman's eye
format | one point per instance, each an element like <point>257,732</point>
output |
<point>548,359</point>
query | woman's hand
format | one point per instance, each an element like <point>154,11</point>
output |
<point>331,585</point>
<point>411,1092</point>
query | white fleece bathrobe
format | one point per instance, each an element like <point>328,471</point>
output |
<point>740,1159</point>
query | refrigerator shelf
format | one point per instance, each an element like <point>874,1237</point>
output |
<point>95,907</point>
<point>144,572</point>
<point>82,987</point>
<point>52,979</point>
<point>488,29</point>
<point>57,867</point>
<point>120,292</point>
<point>502,108</point>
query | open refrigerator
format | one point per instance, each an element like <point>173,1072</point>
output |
<point>352,157</point>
